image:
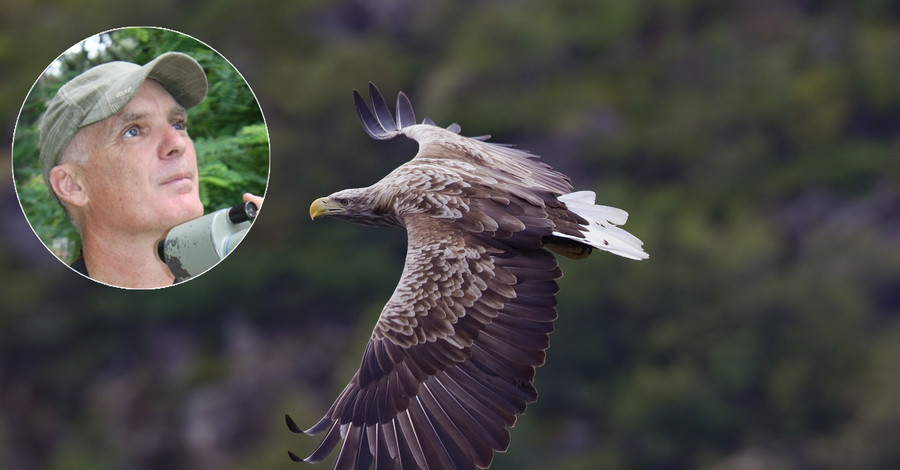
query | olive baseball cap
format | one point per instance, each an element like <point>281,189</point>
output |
<point>104,90</point>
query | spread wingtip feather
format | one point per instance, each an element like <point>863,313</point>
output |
<point>381,125</point>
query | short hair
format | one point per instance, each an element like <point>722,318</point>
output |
<point>76,151</point>
<point>78,148</point>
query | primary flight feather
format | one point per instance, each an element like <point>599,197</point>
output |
<point>451,360</point>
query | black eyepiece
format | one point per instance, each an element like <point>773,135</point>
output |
<point>242,212</point>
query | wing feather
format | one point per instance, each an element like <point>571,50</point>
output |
<point>483,430</point>
<point>411,439</point>
<point>369,121</point>
<point>436,453</point>
<point>350,448</point>
<point>407,457</point>
<point>447,424</point>
<point>326,447</point>
<point>503,347</point>
<point>382,112</point>
<point>384,459</point>
<point>405,114</point>
<point>390,439</point>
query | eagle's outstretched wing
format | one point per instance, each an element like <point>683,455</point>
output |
<point>451,360</point>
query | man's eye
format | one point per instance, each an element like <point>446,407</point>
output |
<point>180,126</point>
<point>132,132</point>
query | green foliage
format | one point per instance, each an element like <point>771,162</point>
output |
<point>45,215</point>
<point>230,165</point>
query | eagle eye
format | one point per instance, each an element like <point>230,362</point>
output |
<point>344,201</point>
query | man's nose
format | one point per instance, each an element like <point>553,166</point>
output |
<point>174,142</point>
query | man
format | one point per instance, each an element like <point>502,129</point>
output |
<point>116,154</point>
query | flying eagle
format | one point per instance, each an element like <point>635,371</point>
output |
<point>451,360</point>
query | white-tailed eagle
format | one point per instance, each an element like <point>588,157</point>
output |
<point>451,360</point>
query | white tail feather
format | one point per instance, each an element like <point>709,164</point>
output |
<point>602,232</point>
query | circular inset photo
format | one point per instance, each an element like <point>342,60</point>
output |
<point>140,157</point>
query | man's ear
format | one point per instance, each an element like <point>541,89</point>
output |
<point>67,184</point>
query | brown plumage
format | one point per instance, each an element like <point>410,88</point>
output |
<point>452,357</point>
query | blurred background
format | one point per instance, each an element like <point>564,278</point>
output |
<point>756,145</point>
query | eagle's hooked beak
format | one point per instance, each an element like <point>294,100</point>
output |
<point>322,207</point>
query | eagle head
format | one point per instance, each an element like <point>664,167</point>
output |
<point>354,205</point>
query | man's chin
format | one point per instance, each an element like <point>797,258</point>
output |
<point>185,210</point>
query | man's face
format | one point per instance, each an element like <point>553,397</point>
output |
<point>142,172</point>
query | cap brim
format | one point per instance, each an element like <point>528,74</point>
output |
<point>178,73</point>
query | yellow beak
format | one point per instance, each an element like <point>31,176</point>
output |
<point>319,208</point>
